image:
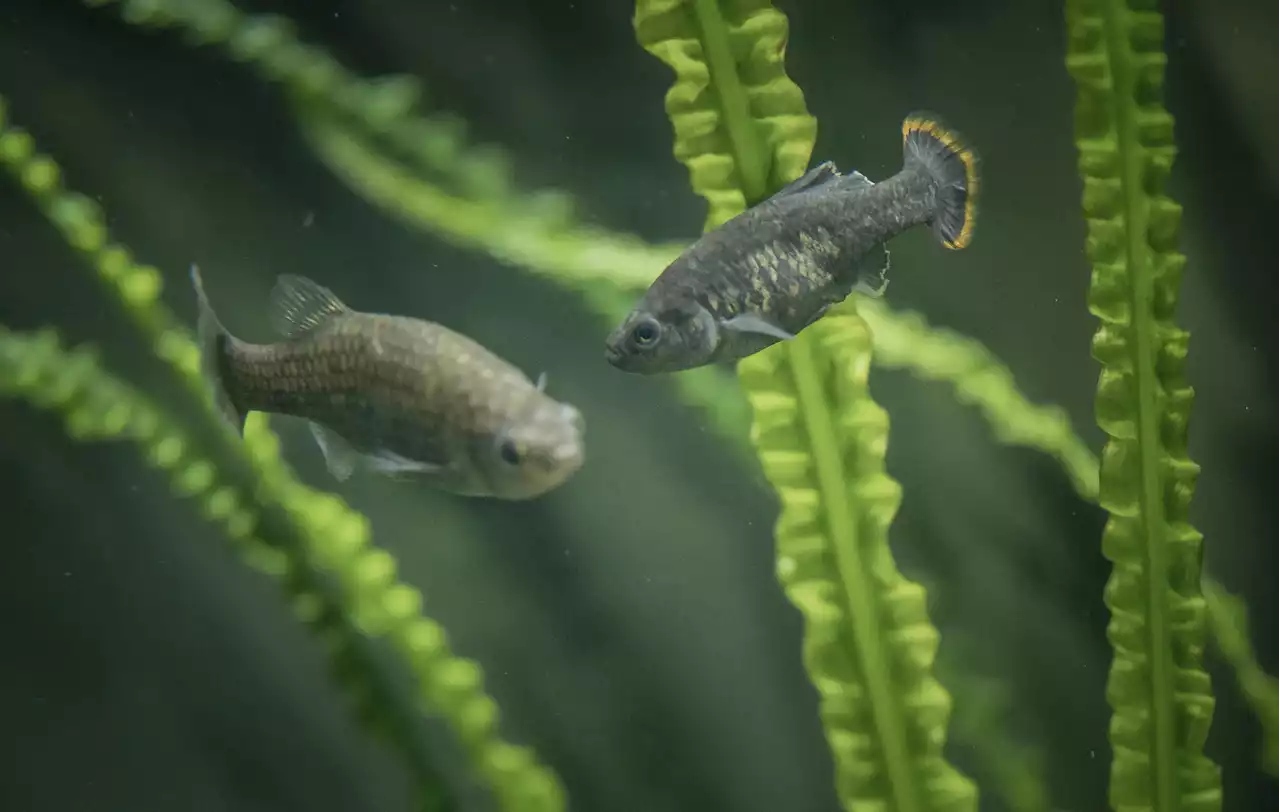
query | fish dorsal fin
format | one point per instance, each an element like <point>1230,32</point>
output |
<point>872,272</point>
<point>855,181</point>
<point>821,174</point>
<point>299,305</point>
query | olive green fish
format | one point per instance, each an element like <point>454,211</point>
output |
<point>776,268</point>
<point>395,396</point>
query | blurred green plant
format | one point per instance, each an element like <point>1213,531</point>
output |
<point>316,547</point>
<point>1160,695</point>
<point>739,143</point>
<point>1230,625</point>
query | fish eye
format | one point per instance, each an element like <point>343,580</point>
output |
<point>509,453</point>
<point>646,332</point>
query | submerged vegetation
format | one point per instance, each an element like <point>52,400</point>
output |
<point>742,129</point>
<point>1159,693</point>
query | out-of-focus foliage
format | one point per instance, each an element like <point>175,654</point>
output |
<point>1230,625</point>
<point>345,590</point>
<point>742,129</point>
<point>906,341</point>
<point>1160,695</point>
<point>97,407</point>
<point>1015,771</point>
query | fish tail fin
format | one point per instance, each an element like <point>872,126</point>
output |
<point>930,145</point>
<point>215,347</point>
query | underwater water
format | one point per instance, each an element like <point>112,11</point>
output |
<point>863,569</point>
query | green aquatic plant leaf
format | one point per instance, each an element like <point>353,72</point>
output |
<point>1229,622</point>
<point>531,232</point>
<point>385,107</point>
<point>741,126</point>
<point>1160,695</point>
<point>869,645</point>
<point>904,340</point>
<point>309,532</point>
<point>416,167</point>
<point>742,129</point>
<point>97,407</point>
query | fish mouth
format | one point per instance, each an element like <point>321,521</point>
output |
<point>613,355</point>
<point>569,461</point>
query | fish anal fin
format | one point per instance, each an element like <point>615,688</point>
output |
<point>299,305</point>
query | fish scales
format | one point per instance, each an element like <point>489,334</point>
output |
<point>771,271</point>
<point>798,259</point>
<point>394,395</point>
<point>394,381</point>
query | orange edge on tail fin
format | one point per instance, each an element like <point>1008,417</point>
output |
<point>961,150</point>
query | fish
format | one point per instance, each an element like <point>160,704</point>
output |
<point>776,268</point>
<point>393,396</point>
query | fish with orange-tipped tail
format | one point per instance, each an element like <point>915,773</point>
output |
<point>777,267</point>
<point>395,396</point>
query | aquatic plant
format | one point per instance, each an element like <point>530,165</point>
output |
<point>1159,693</point>
<point>316,547</point>
<point>1230,627</point>
<point>742,130</point>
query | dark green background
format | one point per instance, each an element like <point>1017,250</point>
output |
<point>629,624</point>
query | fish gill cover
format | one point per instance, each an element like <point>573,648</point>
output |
<point>417,168</point>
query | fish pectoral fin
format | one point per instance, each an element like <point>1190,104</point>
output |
<point>749,323</point>
<point>872,270</point>
<point>340,457</point>
<point>391,464</point>
<point>818,314</point>
<point>824,172</point>
<point>866,289</point>
<point>299,305</point>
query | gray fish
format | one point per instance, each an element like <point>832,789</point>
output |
<point>776,268</point>
<point>395,396</point>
